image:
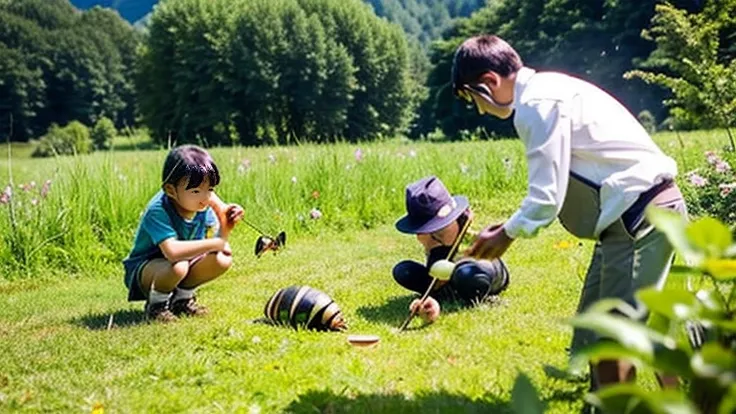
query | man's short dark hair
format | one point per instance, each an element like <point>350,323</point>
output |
<point>192,162</point>
<point>480,54</point>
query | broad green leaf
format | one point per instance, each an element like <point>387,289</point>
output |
<point>731,251</point>
<point>673,225</point>
<point>626,398</point>
<point>714,361</point>
<point>602,350</point>
<point>608,305</point>
<point>711,301</point>
<point>720,269</point>
<point>629,333</point>
<point>524,397</point>
<point>709,235</point>
<point>675,304</point>
<point>728,403</point>
<point>672,361</point>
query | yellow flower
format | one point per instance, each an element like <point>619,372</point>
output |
<point>563,244</point>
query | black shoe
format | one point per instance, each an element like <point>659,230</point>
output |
<point>159,312</point>
<point>188,307</point>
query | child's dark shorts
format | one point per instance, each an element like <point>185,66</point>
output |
<point>133,273</point>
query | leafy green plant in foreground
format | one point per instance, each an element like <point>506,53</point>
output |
<point>705,359</point>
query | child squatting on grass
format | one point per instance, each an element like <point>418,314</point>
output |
<point>590,163</point>
<point>181,241</point>
<point>438,220</point>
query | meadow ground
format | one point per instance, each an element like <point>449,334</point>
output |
<point>69,341</point>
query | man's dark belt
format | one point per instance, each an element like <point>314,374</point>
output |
<point>634,216</point>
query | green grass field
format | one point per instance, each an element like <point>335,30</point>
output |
<point>61,283</point>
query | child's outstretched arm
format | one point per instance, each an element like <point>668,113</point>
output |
<point>177,250</point>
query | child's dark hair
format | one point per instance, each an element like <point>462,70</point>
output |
<point>480,54</point>
<point>191,162</point>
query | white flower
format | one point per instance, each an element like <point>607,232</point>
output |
<point>315,214</point>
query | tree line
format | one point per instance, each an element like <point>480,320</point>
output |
<point>58,65</point>
<point>221,72</point>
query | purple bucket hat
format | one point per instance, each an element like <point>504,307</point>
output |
<point>430,207</point>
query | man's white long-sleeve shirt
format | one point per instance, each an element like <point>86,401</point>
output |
<point>569,125</point>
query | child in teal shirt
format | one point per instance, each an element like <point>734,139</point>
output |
<point>181,242</point>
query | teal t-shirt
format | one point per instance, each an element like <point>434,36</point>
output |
<point>159,222</point>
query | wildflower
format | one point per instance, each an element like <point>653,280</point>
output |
<point>697,181</point>
<point>32,184</point>
<point>272,158</point>
<point>244,166</point>
<point>293,180</point>
<point>315,194</point>
<point>6,195</point>
<point>34,202</point>
<point>711,157</point>
<point>45,189</point>
<point>726,189</point>
<point>563,244</point>
<point>463,168</point>
<point>722,166</point>
<point>24,187</point>
<point>412,153</point>
<point>315,214</point>
<point>358,155</point>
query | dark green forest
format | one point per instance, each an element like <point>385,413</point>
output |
<point>212,72</point>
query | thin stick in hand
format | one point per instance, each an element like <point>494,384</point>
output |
<point>450,255</point>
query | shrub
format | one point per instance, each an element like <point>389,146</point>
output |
<point>103,133</point>
<point>73,138</point>
<point>711,189</point>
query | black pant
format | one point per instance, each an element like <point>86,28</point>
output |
<point>415,277</point>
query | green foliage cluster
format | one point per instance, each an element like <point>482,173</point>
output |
<point>276,71</point>
<point>58,65</point>
<point>711,187</point>
<point>71,139</point>
<point>598,41</point>
<point>102,133</point>
<point>705,359</point>
<point>695,60</point>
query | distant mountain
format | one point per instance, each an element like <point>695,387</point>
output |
<point>130,10</point>
<point>423,20</point>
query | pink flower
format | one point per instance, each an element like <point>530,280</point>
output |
<point>45,189</point>
<point>315,214</point>
<point>722,166</point>
<point>711,157</point>
<point>244,166</point>
<point>6,195</point>
<point>358,155</point>
<point>697,180</point>
<point>726,189</point>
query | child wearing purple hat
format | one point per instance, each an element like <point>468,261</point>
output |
<point>438,220</point>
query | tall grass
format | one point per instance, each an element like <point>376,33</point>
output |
<point>86,222</point>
